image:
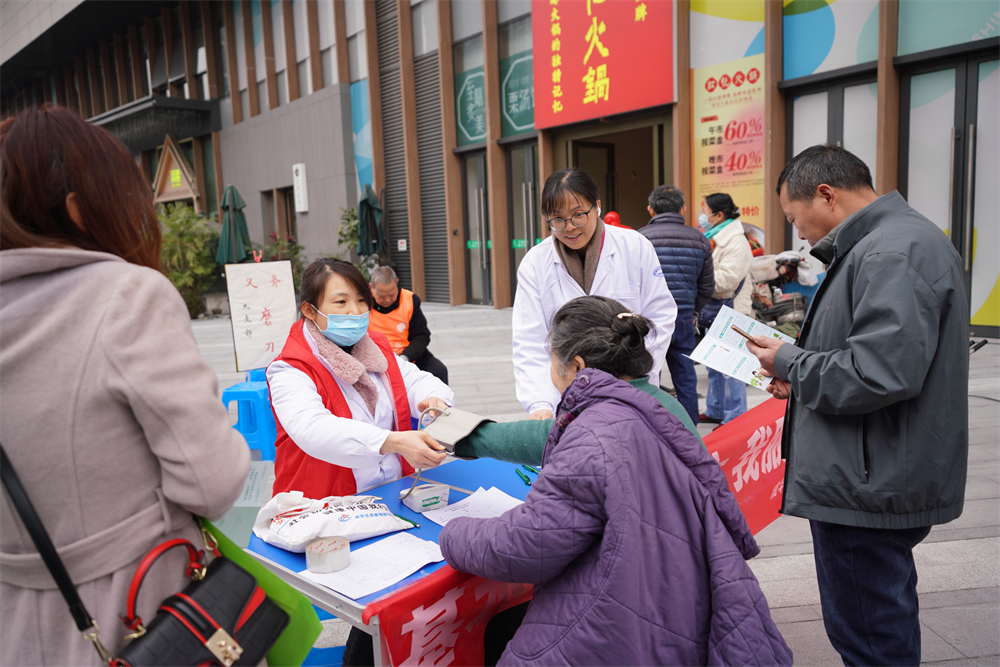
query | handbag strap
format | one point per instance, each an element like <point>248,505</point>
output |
<point>22,503</point>
<point>195,569</point>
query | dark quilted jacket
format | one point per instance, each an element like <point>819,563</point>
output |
<point>633,540</point>
<point>686,259</point>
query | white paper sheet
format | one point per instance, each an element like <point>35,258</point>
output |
<point>379,565</point>
<point>725,350</point>
<point>482,504</point>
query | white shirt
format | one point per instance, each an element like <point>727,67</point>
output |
<point>627,271</point>
<point>351,443</point>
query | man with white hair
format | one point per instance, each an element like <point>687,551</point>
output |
<point>397,314</point>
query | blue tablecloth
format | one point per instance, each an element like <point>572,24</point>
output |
<point>468,475</point>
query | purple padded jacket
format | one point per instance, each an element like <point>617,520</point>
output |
<point>633,540</point>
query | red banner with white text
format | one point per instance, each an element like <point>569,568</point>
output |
<point>749,450</point>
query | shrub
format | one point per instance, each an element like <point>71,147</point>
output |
<point>187,257</point>
<point>281,249</point>
<point>348,237</point>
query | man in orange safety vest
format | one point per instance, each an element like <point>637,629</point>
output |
<point>397,315</point>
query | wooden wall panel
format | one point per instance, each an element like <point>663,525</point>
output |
<point>340,37</point>
<point>82,88</point>
<point>267,27</point>
<point>315,59</point>
<point>250,58</point>
<point>496,163</point>
<point>187,46</point>
<point>150,27</point>
<point>229,16</point>
<point>167,23</point>
<point>212,55</point>
<point>681,119</point>
<point>546,167</point>
<point>887,153</point>
<point>60,85</point>
<point>291,64</point>
<point>774,124</point>
<point>414,211</point>
<point>452,163</point>
<point>94,84</point>
<point>108,84</point>
<point>72,99</point>
<point>121,75</point>
<point>374,95</point>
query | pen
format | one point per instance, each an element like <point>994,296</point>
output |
<point>742,333</point>
<point>524,478</point>
<point>530,468</point>
<point>415,524</point>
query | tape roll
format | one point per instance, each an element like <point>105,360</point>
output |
<point>328,554</point>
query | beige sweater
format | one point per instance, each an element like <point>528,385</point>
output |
<point>113,421</point>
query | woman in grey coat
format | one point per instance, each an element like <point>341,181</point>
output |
<point>108,413</point>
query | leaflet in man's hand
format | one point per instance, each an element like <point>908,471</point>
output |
<point>725,350</point>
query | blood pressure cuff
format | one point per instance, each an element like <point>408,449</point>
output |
<point>452,425</point>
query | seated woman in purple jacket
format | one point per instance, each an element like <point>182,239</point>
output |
<point>631,536</point>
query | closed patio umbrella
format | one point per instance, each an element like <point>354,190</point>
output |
<point>234,237</point>
<point>371,235</point>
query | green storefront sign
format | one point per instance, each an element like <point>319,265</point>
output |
<point>517,94</point>
<point>470,106</point>
<point>474,245</point>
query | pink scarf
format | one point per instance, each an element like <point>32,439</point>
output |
<point>352,368</point>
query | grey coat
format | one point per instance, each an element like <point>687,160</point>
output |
<point>876,429</point>
<point>113,422</point>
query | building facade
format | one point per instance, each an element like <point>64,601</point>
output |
<point>457,110</point>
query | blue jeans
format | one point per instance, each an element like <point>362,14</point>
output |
<point>868,590</point>
<point>727,397</point>
<point>682,373</point>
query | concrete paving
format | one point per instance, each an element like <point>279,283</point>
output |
<point>958,563</point>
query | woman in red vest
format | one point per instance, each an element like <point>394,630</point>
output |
<point>341,398</point>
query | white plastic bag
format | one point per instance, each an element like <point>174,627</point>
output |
<point>291,521</point>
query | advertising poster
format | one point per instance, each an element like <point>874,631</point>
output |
<point>728,134</point>
<point>595,58</point>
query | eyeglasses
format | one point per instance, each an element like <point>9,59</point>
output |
<point>578,220</point>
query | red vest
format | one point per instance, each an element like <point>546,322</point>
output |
<point>294,470</point>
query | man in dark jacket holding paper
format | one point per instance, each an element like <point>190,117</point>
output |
<point>686,261</point>
<point>876,427</point>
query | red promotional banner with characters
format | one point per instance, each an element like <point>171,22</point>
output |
<point>595,58</point>
<point>749,451</point>
<point>440,619</point>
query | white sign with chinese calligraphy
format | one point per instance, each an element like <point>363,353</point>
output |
<point>262,308</point>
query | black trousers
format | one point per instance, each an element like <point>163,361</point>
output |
<point>428,362</point>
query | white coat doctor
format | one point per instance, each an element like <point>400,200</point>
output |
<point>582,257</point>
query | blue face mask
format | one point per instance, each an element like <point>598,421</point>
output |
<point>703,220</point>
<point>344,330</point>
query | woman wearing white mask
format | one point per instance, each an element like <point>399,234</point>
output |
<point>342,399</point>
<point>731,255</point>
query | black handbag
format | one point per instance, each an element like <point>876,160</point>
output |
<point>221,618</point>
<point>707,315</point>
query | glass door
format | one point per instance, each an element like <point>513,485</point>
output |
<point>948,168</point>
<point>477,228</point>
<point>525,218</point>
<point>842,112</point>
